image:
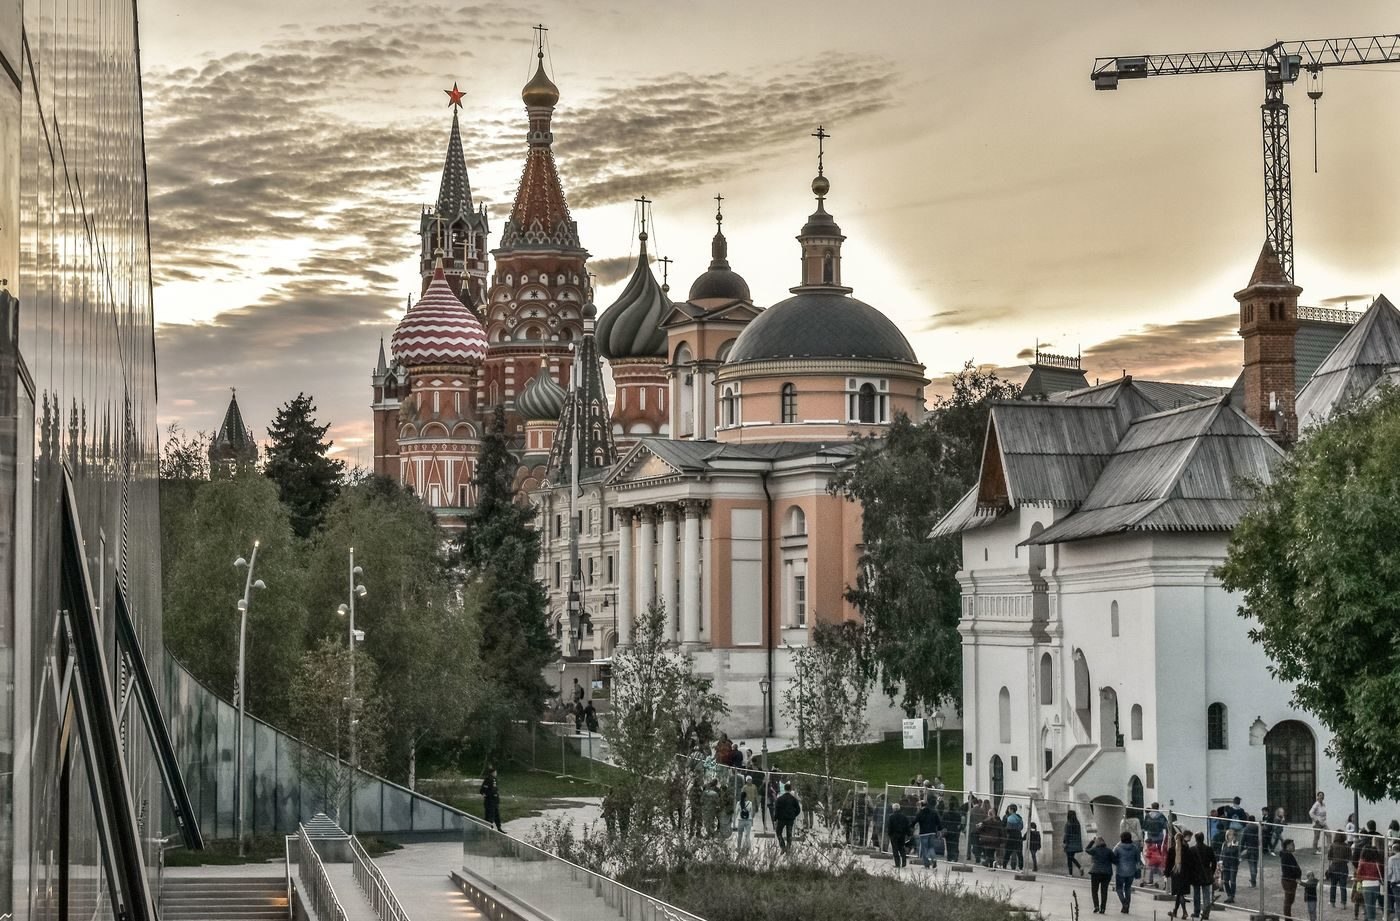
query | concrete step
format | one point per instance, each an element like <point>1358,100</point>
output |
<point>215,898</point>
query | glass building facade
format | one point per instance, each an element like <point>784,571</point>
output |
<point>77,406</point>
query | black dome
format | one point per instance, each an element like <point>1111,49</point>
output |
<point>724,282</point>
<point>821,324</point>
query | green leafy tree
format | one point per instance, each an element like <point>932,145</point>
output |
<point>184,468</point>
<point>320,716</point>
<point>296,460</point>
<point>907,591</point>
<point>1318,564</point>
<point>826,699</point>
<point>184,457</point>
<point>500,548</point>
<point>419,633</point>
<point>201,590</point>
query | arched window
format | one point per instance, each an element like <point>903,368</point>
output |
<point>1047,679</point>
<point>1217,727</point>
<point>796,521</point>
<point>727,406</point>
<point>1082,703</point>
<point>1135,797</point>
<point>865,403</point>
<point>1135,722</point>
<point>828,268</point>
<point>1290,763</point>
<point>1113,619</point>
<point>998,779</point>
<point>1004,714</point>
<point>789,403</point>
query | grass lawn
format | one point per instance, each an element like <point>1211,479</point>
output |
<point>524,792</point>
<point>261,849</point>
<point>887,762</point>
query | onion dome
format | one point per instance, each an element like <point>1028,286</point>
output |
<point>439,329</point>
<point>542,399</point>
<point>540,91</point>
<point>720,281</point>
<point>822,324</point>
<point>631,327</point>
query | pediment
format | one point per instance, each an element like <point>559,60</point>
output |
<point>642,465</point>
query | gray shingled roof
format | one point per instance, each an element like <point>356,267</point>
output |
<point>1356,362</point>
<point>1050,453</point>
<point>1047,379</point>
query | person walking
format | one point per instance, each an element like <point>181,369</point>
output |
<point>976,815</point>
<point>1202,863</point>
<point>1072,842</point>
<point>1127,857</point>
<point>1033,847</point>
<point>491,795</point>
<point>898,829</point>
<point>1179,873</point>
<point>1249,849</point>
<point>1100,869</point>
<point>786,809</point>
<point>744,816</point>
<point>991,836</point>
<point>1318,814</point>
<point>1015,837</point>
<point>1230,864</point>
<point>1392,880</point>
<point>1289,874</point>
<point>1368,873</point>
<point>952,830</point>
<point>1310,887</point>
<point>1338,868</point>
<point>590,717</point>
<point>930,829</point>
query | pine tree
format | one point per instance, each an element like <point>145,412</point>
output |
<point>307,480</point>
<point>499,551</point>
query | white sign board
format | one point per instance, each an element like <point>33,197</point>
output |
<point>914,733</point>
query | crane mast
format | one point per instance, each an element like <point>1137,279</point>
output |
<point>1281,63</point>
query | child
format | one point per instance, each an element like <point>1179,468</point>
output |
<point>1310,895</point>
<point>1033,839</point>
<point>1155,857</point>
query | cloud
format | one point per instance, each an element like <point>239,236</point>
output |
<point>1193,351</point>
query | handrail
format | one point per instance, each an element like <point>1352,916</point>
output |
<point>315,882</point>
<point>375,887</point>
<point>612,891</point>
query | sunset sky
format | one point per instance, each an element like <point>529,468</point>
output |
<point>991,198</point>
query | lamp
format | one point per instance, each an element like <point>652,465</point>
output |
<point>764,686</point>
<point>249,584</point>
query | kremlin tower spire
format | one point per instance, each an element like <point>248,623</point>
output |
<point>454,226</point>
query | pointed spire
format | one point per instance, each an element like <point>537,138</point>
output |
<point>719,246</point>
<point>540,217</point>
<point>1268,270</point>
<point>455,193</point>
<point>821,237</point>
<point>585,409</point>
<point>383,365</point>
<point>233,445</point>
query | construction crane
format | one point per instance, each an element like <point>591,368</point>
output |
<point>1282,63</point>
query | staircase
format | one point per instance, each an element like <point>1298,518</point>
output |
<point>224,898</point>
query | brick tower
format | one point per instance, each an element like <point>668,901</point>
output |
<point>1268,325</point>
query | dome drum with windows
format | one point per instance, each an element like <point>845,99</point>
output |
<point>439,329</point>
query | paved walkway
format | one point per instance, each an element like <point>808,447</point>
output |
<point>352,898</point>
<point>418,875</point>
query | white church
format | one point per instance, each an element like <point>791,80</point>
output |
<point>1103,663</point>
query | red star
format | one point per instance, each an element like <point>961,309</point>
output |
<point>454,95</point>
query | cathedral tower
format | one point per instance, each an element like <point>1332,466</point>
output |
<point>1268,325</point>
<point>540,282</point>
<point>233,448</point>
<point>454,226</point>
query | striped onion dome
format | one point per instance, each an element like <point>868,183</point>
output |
<point>542,399</point>
<point>439,329</point>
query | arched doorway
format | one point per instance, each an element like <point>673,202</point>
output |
<point>1136,796</point>
<point>1290,764</point>
<point>1108,815</point>
<point>998,778</point>
<point>1081,690</point>
<point>1109,736</point>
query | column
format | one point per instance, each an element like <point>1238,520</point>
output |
<point>666,574</point>
<point>699,391</point>
<point>624,577</point>
<point>646,549</point>
<point>690,578</point>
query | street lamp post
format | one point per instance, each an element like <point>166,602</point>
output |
<point>938,734</point>
<point>241,692</point>
<point>357,590</point>
<point>764,686</point>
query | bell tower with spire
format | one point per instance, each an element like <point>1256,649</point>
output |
<point>1268,326</point>
<point>821,238</point>
<point>454,227</point>
<point>533,314</point>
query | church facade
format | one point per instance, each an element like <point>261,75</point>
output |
<point>1104,665</point>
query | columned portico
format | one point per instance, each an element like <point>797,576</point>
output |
<point>625,577</point>
<point>646,559</point>
<point>690,578</point>
<point>666,575</point>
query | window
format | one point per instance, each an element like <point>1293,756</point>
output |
<point>789,403</point>
<point>1113,619</point>
<point>799,600</point>
<point>1047,679</point>
<point>558,572</point>
<point>828,268</point>
<point>865,403</point>
<point>1290,767</point>
<point>1217,727</point>
<point>1135,722</point>
<point>1082,702</point>
<point>796,521</point>
<point>729,407</point>
<point>1004,714</point>
<point>592,569</point>
<point>611,574</point>
<point>558,525</point>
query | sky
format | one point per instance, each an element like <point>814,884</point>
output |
<point>990,197</point>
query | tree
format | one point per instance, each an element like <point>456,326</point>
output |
<point>184,457</point>
<point>1318,564</point>
<point>419,633</point>
<point>307,480</point>
<point>500,548</point>
<point>907,590</point>
<point>826,698</point>
<point>201,590</point>
<point>656,699</point>
<point>320,717</point>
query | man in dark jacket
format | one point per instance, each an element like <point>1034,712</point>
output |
<point>786,809</point>
<point>930,829</point>
<point>898,829</point>
<point>1200,863</point>
<point>491,794</point>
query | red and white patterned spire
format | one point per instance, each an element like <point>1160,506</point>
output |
<point>439,329</point>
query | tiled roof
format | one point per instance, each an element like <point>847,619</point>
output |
<point>455,193</point>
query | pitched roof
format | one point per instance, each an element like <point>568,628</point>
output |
<point>1268,270</point>
<point>1045,453</point>
<point>1047,379</point>
<point>1353,365</point>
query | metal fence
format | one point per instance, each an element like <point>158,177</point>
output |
<point>828,803</point>
<point>316,887</point>
<point>373,884</point>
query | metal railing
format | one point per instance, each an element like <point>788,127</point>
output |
<point>553,887</point>
<point>375,887</point>
<point>316,885</point>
